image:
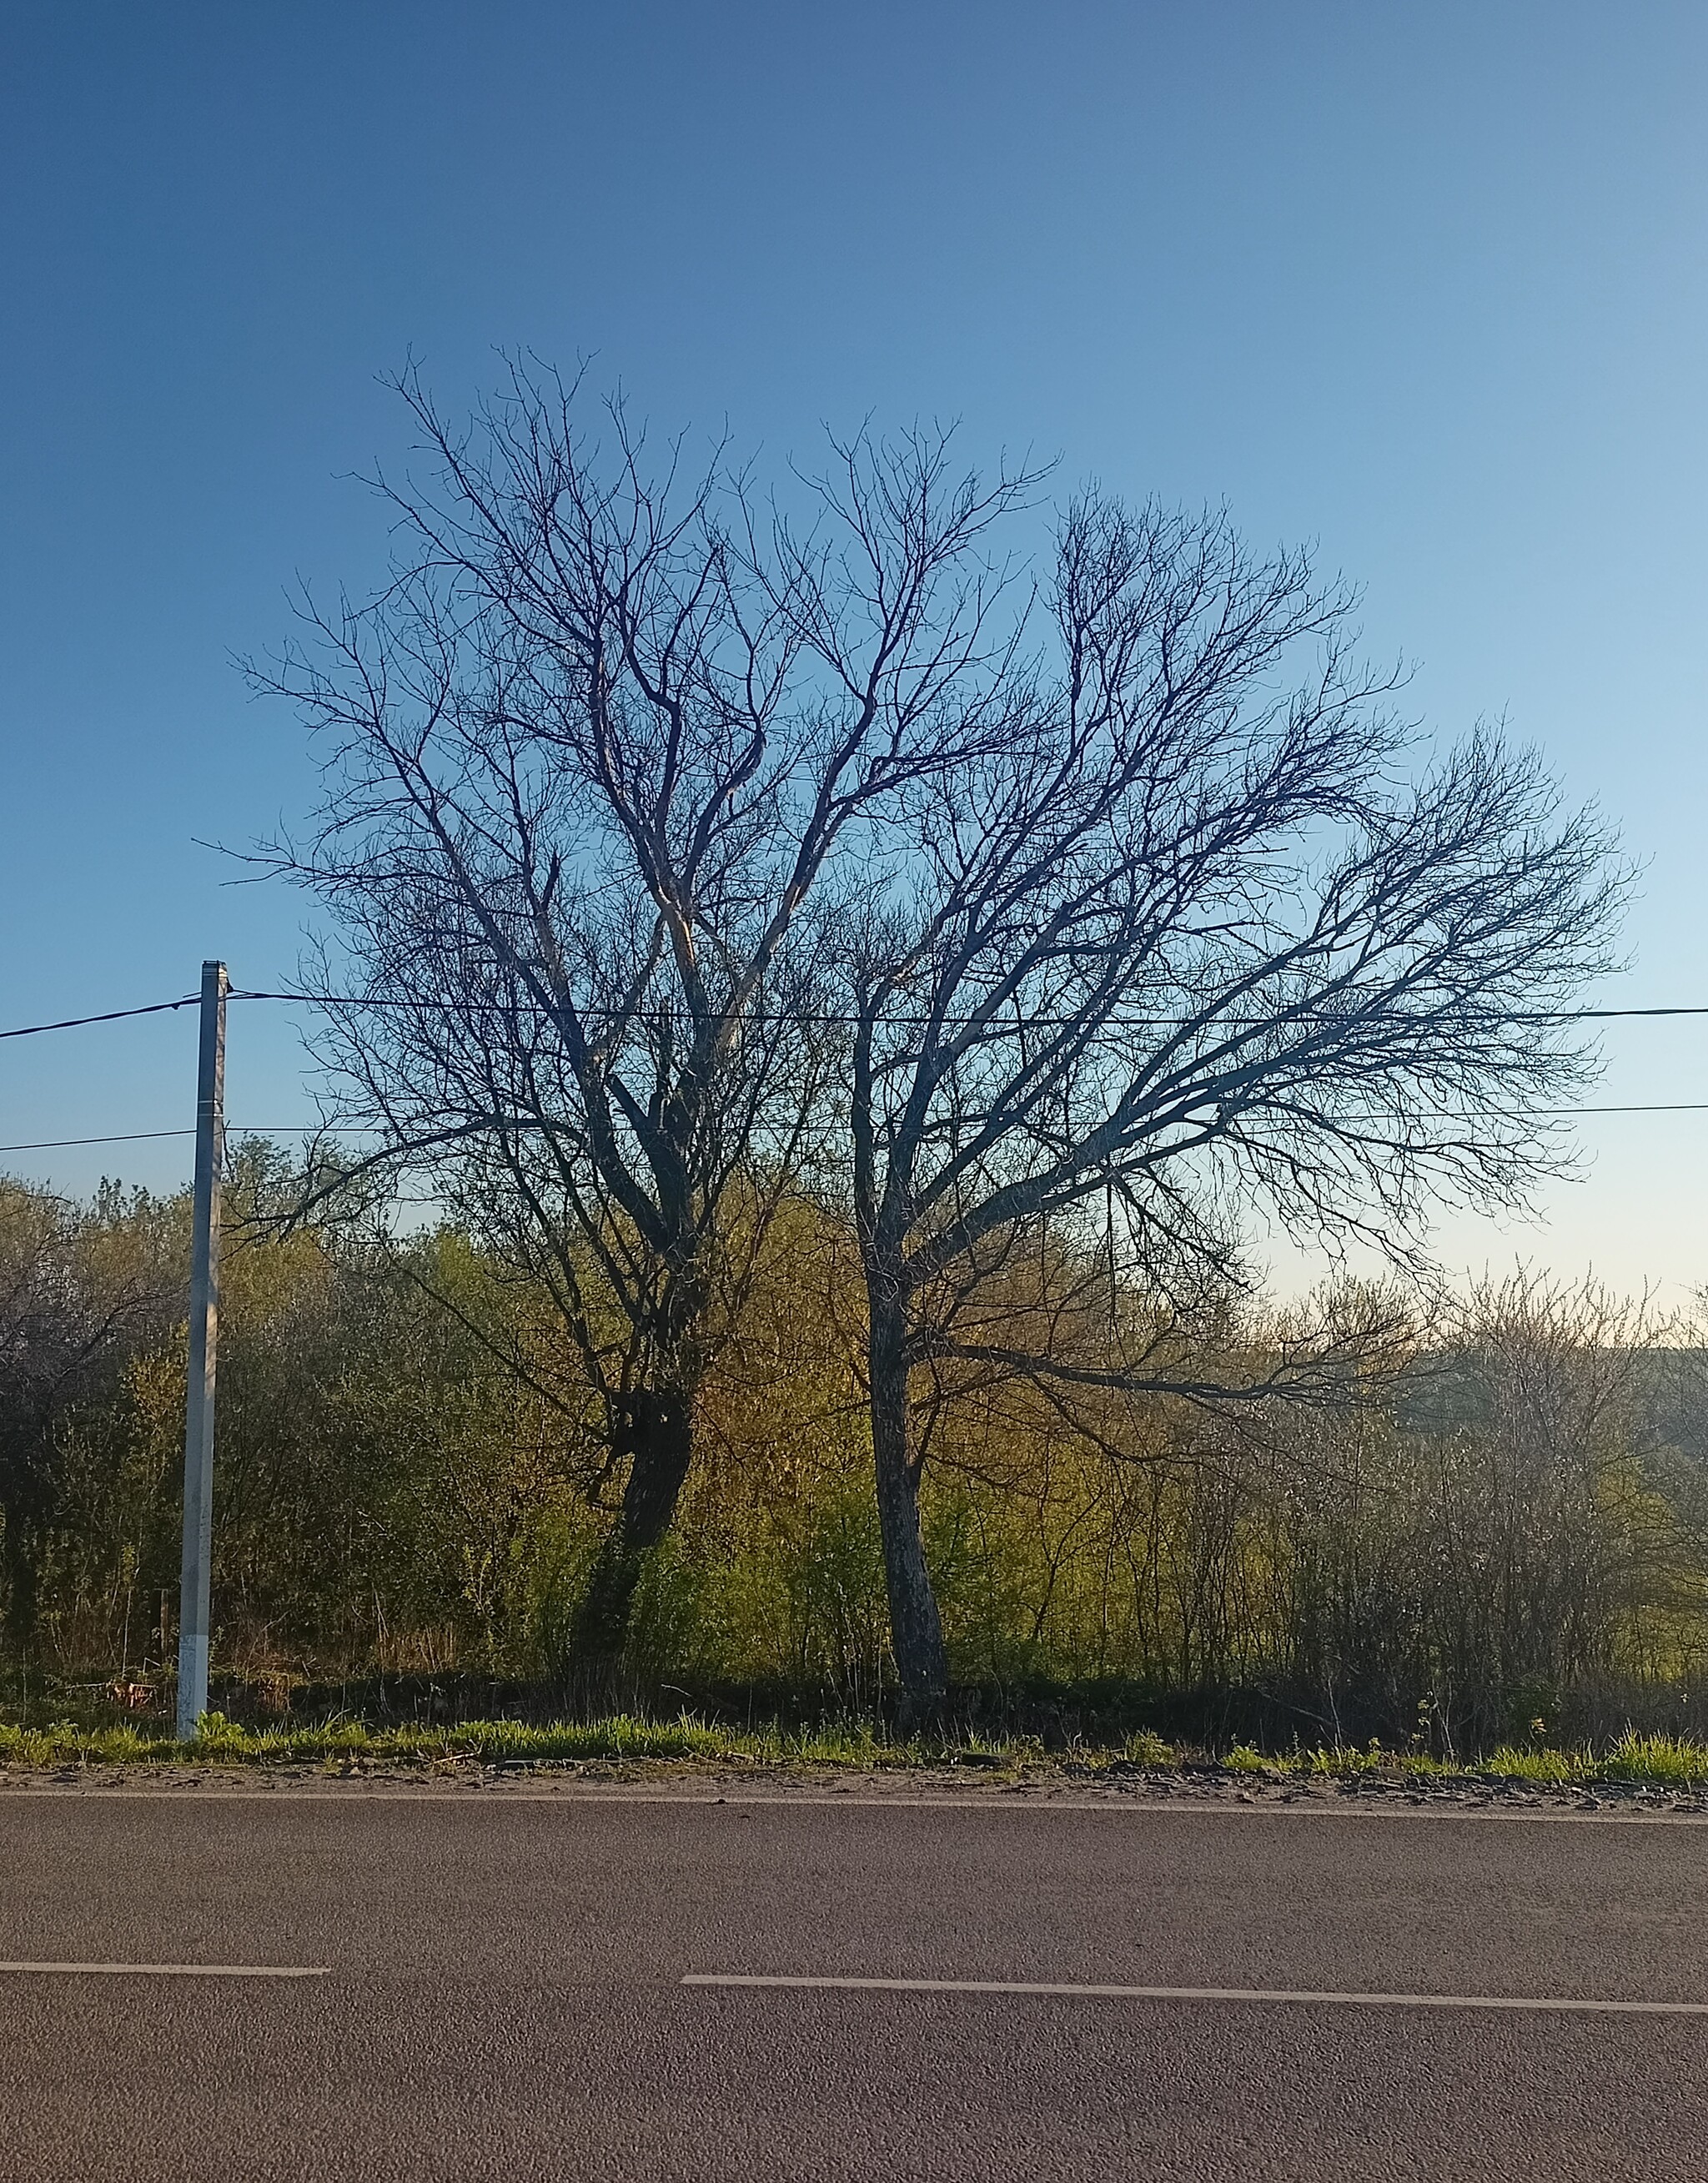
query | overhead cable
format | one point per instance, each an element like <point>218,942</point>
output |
<point>108,1015</point>
<point>516,1122</point>
<point>809,1015</point>
<point>833,1016</point>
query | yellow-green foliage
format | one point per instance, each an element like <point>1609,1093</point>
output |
<point>1515,1534</point>
<point>1670,1761</point>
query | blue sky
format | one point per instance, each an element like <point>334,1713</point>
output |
<point>1426,285</point>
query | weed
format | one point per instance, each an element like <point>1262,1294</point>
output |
<point>1551,1769</point>
<point>1674,1760</point>
<point>340,1743</point>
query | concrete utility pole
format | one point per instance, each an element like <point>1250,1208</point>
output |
<point>204,1337</point>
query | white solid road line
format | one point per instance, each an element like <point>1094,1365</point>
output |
<point>485,1798</point>
<point>171,1970</point>
<point>1557,2003</point>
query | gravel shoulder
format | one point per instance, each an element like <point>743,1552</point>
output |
<point>1193,1788</point>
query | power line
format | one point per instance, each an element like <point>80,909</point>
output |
<point>363,1129</point>
<point>346,1000</point>
<point>128,1137</point>
<point>111,1015</point>
<point>811,1015</point>
<point>232,1130</point>
<point>833,1016</point>
<point>1661,1107</point>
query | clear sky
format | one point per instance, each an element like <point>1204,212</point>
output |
<point>1425,284</point>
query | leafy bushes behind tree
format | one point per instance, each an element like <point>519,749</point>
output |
<point>1511,1528</point>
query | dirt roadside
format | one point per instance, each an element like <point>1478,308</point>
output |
<point>1122,1787</point>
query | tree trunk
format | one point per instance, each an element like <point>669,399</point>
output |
<point>916,1630</point>
<point>24,1512</point>
<point>660,1434</point>
<point>23,1571</point>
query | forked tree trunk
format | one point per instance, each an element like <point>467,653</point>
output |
<point>660,1433</point>
<point>916,1630</point>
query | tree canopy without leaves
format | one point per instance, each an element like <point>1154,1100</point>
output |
<point>1198,947</point>
<point>687,849</point>
<point>587,759</point>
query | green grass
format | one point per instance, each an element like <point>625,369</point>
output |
<point>1661,1761</point>
<point>353,1743</point>
<point>1658,1761</point>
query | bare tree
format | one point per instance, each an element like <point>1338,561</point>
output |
<point>1199,944</point>
<point>586,759</point>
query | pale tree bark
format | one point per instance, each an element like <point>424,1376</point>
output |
<point>916,1626</point>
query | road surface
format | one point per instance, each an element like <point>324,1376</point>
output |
<point>557,1986</point>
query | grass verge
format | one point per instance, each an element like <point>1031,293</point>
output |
<point>222,1742</point>
<point>1633,1760</point>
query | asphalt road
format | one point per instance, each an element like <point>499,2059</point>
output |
<point>503,1990</point>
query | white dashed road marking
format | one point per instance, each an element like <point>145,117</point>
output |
<point>1246,1994</point>
<point>168,1970</point>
